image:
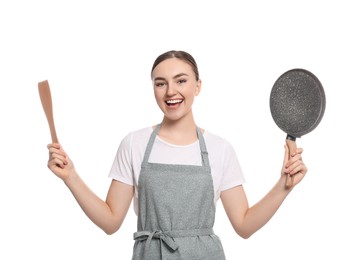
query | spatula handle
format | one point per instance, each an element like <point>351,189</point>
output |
<point>46,100</point>
<point>292,146</point>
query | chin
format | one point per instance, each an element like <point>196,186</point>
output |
<point>173,118</point>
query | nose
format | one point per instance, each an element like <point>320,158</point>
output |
<point>171,90</point>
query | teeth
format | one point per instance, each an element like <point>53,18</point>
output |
<point>174,101</point>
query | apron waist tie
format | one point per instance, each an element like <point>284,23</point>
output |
<point>167,236</point>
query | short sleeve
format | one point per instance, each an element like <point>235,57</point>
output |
<point>232,172</point>
<point>122,169</point>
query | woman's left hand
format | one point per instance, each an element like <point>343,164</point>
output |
<point>294,166</point>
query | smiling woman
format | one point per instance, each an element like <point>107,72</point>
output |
<point>175,172</point>
<point>175,87</point>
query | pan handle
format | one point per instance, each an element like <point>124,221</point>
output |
<point>292,146</point>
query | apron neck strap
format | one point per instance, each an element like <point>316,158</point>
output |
<point>203,150</point>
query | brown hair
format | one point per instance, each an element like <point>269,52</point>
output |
<point>182,55</point>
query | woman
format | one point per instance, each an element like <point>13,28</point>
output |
<point>176,171</point>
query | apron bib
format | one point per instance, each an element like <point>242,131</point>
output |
<point>176,210</point>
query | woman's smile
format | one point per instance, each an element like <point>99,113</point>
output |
<point>174,102</point>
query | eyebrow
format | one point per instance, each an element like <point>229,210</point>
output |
<point>176,76</point>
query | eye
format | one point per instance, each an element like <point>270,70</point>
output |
<point>182,81</point>
<point>160,84</point>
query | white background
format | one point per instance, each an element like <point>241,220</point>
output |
<point>97,57</point>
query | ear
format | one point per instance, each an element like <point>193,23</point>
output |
<point>197,88</point>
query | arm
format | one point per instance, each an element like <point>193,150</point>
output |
<point>109,214</point>
<point>247,220</point>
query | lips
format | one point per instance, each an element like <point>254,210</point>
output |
<point>172,102</point>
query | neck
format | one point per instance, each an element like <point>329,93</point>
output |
<point>179,132</point>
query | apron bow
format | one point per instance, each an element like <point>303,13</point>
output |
<point>148,236</point>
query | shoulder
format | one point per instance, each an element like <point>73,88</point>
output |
<point>215,140</point>
<point>133,145</point>
<point>219,147</point>
<point>139,135</point>
<point>135,140</point>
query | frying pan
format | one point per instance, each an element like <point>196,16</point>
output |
<point>297,104</point>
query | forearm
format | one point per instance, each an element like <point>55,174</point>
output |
<point>109,214</point>
<point>247,220</point>
<point>260,213</point>
<point>94,207</point>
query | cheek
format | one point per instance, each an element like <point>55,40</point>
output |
<point>157,93</point>
<point>159,97</point>
<point>196,91</point>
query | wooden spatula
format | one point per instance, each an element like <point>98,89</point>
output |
<point>46,100</point>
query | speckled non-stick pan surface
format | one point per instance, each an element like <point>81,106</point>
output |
<point>297,102</point>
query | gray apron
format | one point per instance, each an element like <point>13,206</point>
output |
<point>176,210</point>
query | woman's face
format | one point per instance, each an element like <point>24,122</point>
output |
<point>175,87</point>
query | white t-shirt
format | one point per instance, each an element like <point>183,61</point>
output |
<point>225,168</point>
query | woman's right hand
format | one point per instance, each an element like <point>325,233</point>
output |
<point>59,162</point>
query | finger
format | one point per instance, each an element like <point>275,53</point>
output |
<point>54,145</point>
<point>56,148</point>
<point>293,160</point>
<point>55,163</point>
<point>57,151</point>
<point>58,156</point>
<point>291,164</point>
<point>299,150</point>
<point>298,167</point>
